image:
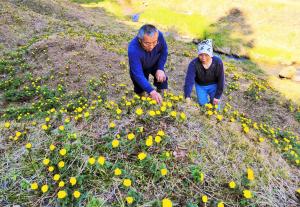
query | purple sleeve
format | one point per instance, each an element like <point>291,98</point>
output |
<point>189,80</point>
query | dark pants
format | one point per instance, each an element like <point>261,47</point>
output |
<point>158,85</point>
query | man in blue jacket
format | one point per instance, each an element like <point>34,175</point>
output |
<point>147,54</point>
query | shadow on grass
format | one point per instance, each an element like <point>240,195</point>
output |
<point>231,34</point>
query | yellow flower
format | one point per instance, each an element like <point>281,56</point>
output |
<point>142,156</point>
<point>44,127</point>
<point>232,184</point>
<point>56,177</point>
<point>86,114</point>
<point>163,108</point>
<point>61,184</point>
<point>169,104</point>
<point>166,202</point>
<point>247,194</point>
<point>173,114</point>
<point>101,160</point>
<point>149,141</point>
<point>127,182</point>
<point>112,125</point>
<point>130,136</point>
<point>209,113</point>
<point>52,147</point>
<point>167,154</point>
<point>76,194</point>
<point>157,112</point>
<point>115,143</point>
<point>47,119</point>
<point>246,129</point>
<point>141,129</point>
<point>117,171</point>
<point>201,177</point>
<point>219,117</point>
<point>18,134</point>
<point>151,113</point>
<point>67,120</point>
<point>28,146</point>
<point>44,188</point>
<point>220,204</point>
<point>232,119</point>
<point>163,171</point>
<point>255,125</point>
<point>298,191</point>
<point>129,199</point>
<point>62,194</point>
<point>250,174</point>
<point>46,161</point>
<point>79,109</point>
<point>118,111</point>
<point>182,116</point>
<point>61,164</point>
<point>92,160</point>
<point>61,128</point>
<point>139,111</point>
<point>161,133</point>
<point>152,102</point>
<point>34,186</point>
<point>209,106</point>
<point>73,181</point>
<point>63,152</point>
<point>157,139</point>
<point>261,139</point>
<point>204,198</point>
<point>7,125</point>
<point>51,168</point>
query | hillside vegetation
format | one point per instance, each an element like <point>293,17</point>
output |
<point>72,132</point>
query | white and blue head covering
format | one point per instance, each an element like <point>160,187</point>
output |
<point>205,46</point>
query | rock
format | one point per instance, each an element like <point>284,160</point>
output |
<point>288,72</point>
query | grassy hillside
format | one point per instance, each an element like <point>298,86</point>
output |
<point>72,132</point>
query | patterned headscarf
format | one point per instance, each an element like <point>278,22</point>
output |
<point>205,46</point>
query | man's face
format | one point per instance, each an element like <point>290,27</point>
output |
<point>148,42</point>
<point>204,58</point>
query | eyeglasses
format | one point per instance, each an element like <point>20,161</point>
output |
<point>150,43</point>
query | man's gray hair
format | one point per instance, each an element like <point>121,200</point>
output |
<point>147,29</point>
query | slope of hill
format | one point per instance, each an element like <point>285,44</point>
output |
<point>73,133</point>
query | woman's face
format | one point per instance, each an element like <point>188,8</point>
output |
<point>204,58</point>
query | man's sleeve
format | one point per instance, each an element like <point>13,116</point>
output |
<point>189,80</point>
<point>221,80</point>
<point>164,54</point>
<point>137,71</point>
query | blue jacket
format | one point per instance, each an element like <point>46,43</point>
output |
<point>141,61</point>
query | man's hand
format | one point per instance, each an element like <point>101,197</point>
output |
<point>216,101</point>
<point>156,96</point>
<point>160,76</point>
